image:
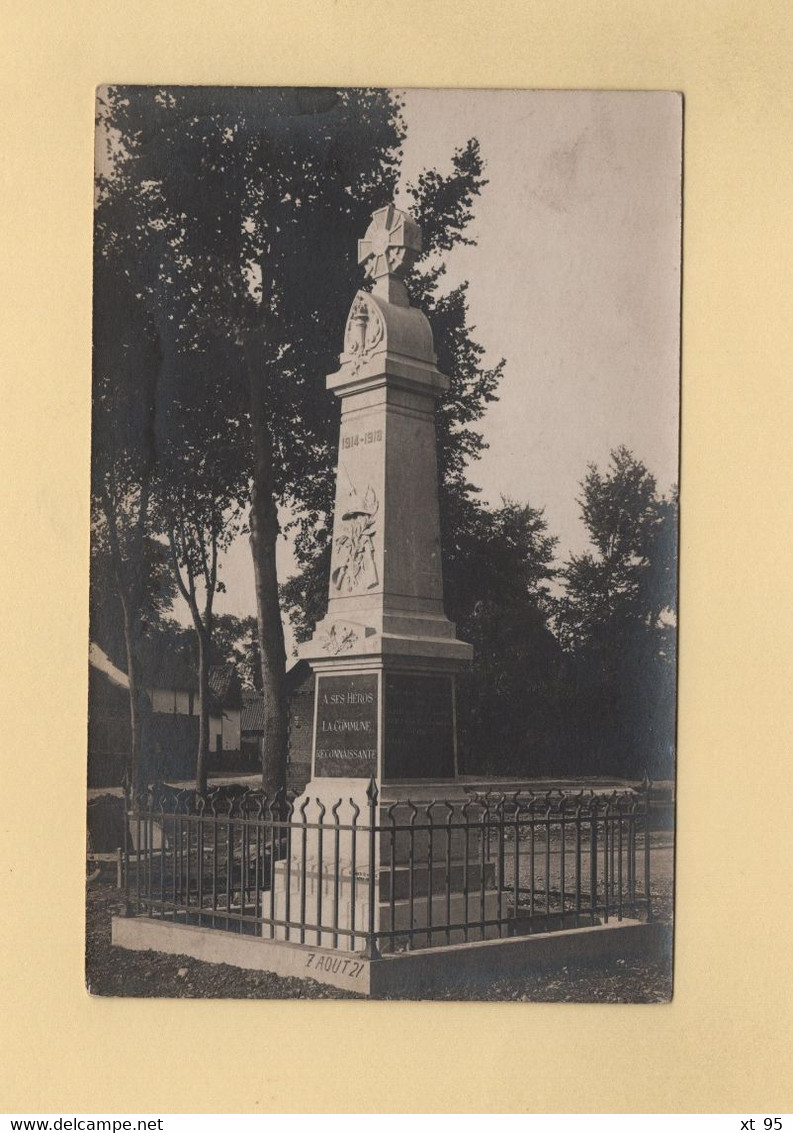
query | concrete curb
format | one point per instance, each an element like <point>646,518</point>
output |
<point>409,974</point>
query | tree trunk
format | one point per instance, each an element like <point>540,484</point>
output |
<point>202,758</point>
<point>138,700</point>
<point>263,539</point>
<point>129,587</point>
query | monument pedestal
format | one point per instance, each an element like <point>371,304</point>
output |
<point>422,877</point>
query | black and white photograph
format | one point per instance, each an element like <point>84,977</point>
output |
<point>382,689</point>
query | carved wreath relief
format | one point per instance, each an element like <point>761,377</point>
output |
<point>354,548</point>
<point>340,637</point>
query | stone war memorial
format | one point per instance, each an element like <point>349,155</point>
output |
<point>390,874</point>
<point>385,655</point>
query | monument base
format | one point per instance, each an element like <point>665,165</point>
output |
<point>408,975</point>
<point>428,872</point>
<point>339,906</point>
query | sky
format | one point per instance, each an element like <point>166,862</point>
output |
<point>574,279</point>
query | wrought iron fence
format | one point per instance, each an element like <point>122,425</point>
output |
<point>361,875</point>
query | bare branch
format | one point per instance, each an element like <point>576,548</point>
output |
<point>187,594</point>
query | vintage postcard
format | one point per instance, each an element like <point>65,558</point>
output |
<point>383,598</point>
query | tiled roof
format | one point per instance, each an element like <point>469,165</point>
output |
<point>224,685</point>
<point>220,677</point>
<point>252,718</point>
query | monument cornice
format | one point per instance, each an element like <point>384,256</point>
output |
<point>394,370</point>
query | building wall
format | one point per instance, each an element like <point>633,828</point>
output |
<point>108,747</point>
<point>183,702</point>
<point>174,746</point>
<point>231,729</point>
<point>227,728</point>
<point>301,723</point>
<point>108,730</point>
<point>173,700</point>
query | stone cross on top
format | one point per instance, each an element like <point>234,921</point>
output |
<point>388,251</point>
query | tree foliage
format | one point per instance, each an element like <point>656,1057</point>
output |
<point>201,491</point>
<point>498,597</point>
<point>126,365</point>
<point>106,614</point>
<point>616,622</point>
<point>233,214</point>
<point>242,208</point>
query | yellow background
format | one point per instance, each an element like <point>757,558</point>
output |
<point>723,1045</point>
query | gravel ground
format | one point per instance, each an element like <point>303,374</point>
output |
<point>118,972</point>
<point>618,981</point>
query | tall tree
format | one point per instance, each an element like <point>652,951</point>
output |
<point>500,574</point>
<point>198,511</point>
<point>243,207</point>
<point>106,613</point>
<point>126,362</point>
<point>616,620</point>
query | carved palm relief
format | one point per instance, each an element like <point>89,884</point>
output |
<point>354,548</point>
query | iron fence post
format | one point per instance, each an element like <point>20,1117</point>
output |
<point>356,811</point>
<point>336,869</point>
<point>370,951</point>
<point>562,860</point>
<point>579,797</point>
<point>320,854</point>
<point>392,878</point>
<point>647,788</point>
<point>593,860</point>
<point>303,876</point>
<point>500,828</point>
<point>127,898</point>
<point>448,869</point>
<point>411,871</point>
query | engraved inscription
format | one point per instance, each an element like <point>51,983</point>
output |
<point>370,437</point>
<point>419,726</point>
<point>345,743</point>
<point>336,964</point>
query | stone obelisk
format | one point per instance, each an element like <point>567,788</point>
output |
<point>385,655</point>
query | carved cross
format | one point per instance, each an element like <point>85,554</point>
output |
<point>391,245</point>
